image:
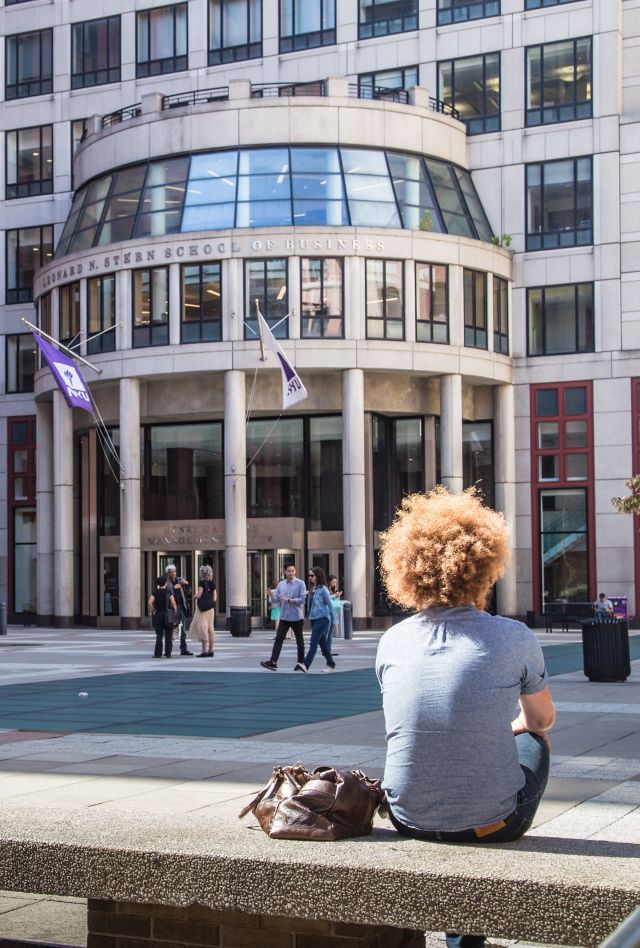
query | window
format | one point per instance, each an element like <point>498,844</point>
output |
<point>559,82</point>
<point>44,313</point>
<point>560,319</point>
<point>304,25</point>
<point>201,303</point>
<point>108,491</point>
<point>477,458</point>
<point>384,299</point>
<point>161,205</point>
<point>371,82</point>
<point>475,309</point>
<point>21,482</point>
<point>69,297</point>
<point>559,204</point>
<point>151,307</point>
<point>162,40</point>
<point>372,201</point>
<point>78,135</point>
<point>95,52</point>
<point>455,11</point>
<point>432,309</point>
<point>414,193</point>
<point>500,315</point>
<point>561,455</point>
<point>381,17</point>
<point>322,298</point>
<point>20,363</point>
<point>101,314</point>
<point>265,283</point>
<point>276,481</point>
<point>29,64</point>
<point>183,472</point>
<point>29,161</point>
<point>235,30</point>
<point>537,4</point>
<point>472,86</point>
<point>27,250</point>
<point>398,464</point>
<point>324,489</point>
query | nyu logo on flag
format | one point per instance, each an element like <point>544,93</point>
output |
<point>293,391</point>
<point>66,374</point>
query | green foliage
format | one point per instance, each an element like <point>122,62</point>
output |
<point>426,221</point>
<point>630,504</point>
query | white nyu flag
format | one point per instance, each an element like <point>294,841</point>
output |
<point>293,391</point>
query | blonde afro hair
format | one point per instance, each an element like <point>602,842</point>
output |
<point>443,549</point>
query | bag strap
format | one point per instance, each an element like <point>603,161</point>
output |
<point>295,774</point>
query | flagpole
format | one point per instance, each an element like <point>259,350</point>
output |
<point>70,352</point>
<point>263,358</point>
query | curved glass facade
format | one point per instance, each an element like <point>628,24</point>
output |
<point>275,187</point>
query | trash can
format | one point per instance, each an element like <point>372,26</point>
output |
<point>605,649</point>
<point>347,619</point>
<point>531,619</point>
<point>240,621</point>
<point>3,618</point>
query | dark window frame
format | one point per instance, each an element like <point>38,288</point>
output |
<point>543,4</point>
<point>24,294</point>
<point>383,26</point>
<point>30,344</point>
<point>546,112</point>
<point>295,41</point>
<point>590,347</point>
<point>177,62</point>
<point>461,12</point>
<point>155,332</point>
<point>233,54</point>
<point>323,318</point>
<point>41,86</point>
<point>473,330</point>
<point>41,185</point>
<point>89,78</point>
<point>106,342</point>
<point>376,84</point>
<point>146,457</point>
<point>67,290</point>
<point>430,322</point>
<point>490,123</point>
<point>542,234</point>
<point>385,319</point>
<point>200,322</point>
<point>248,304</point>
<point>500,318</point>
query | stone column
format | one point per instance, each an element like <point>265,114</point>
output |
<point>129,563</point>
<point>235,487</point>
<point>505,467</point>
<point>44,506</point>
<point>353,489</point>
<point>175,297</point>
<point>451,431</point>
<point>63,577</point>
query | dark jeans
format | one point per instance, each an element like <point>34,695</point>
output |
<point>533,755</point>
<point>163,632</point>
<point>183,631</point>
<point>320,632</point>
<point>283,627</point>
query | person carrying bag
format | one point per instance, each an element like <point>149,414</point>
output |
<point>202,625</point>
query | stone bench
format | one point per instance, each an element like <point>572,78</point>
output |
<point>163,881</point>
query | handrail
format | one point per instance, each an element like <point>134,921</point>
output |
<point>266,90</point>
<point>196,97</point>
<point>437,105</point>
<point>379,92</point>
<point>121,115</point>
<point>626,935</point>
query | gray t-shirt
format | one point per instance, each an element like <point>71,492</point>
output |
<point>450,680</point>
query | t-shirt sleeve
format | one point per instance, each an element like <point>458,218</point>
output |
<point>534,674</point>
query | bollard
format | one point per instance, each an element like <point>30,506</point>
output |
<point>3,618</point>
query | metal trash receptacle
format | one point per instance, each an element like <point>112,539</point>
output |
<point>605,649</point>
<point>347,619</point>
<point>240,621</point>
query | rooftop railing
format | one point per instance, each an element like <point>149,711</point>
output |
<point>197,97</point>
<point>263,91</point>
<point>357,91</point>
<point>122,115</point>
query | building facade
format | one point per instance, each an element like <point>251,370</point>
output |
<point>432,204</point>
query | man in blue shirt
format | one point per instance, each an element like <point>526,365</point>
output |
<point>291,594</point>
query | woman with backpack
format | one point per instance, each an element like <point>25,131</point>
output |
<point>206,597</point>
<point>160,602</point>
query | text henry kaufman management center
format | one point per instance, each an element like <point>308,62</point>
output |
<point>303,259</point>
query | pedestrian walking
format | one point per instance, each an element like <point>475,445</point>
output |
<point>273,603</point>
<point>321,616</point>
<point>291,594</point>
<point>203,620</point>
<point>159,603</point>
<point>336,596</point>
<point>182,594</point>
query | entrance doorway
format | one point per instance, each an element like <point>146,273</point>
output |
<point>263,567</point>
<point>110,590</point>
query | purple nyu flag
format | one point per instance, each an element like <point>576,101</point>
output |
<point>66,374</point>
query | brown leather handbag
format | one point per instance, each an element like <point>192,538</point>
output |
<point>327,804</point>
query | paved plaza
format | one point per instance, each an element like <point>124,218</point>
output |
<point>89,719</point>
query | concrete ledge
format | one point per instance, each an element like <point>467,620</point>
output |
<point>540,889</point>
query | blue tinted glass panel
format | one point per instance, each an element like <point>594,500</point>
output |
<point>210,191</point>
<point>208,217</point>
<point>373,214</point>
<point>264,214</point>
<point>264,161</point>
<point>214,165</point>
<point>330,213</point>
<point>362,161</point>
<point>315,159</point>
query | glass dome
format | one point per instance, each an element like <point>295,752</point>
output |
<point>324,186</point>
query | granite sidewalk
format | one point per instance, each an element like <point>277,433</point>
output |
<point>89,719</point>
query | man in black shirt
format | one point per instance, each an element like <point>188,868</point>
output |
<point>182,592</point>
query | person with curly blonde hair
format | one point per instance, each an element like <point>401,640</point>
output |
<point>465,695</point>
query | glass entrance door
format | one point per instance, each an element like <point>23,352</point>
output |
<point>260,574</point>
<point>110,592</point>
